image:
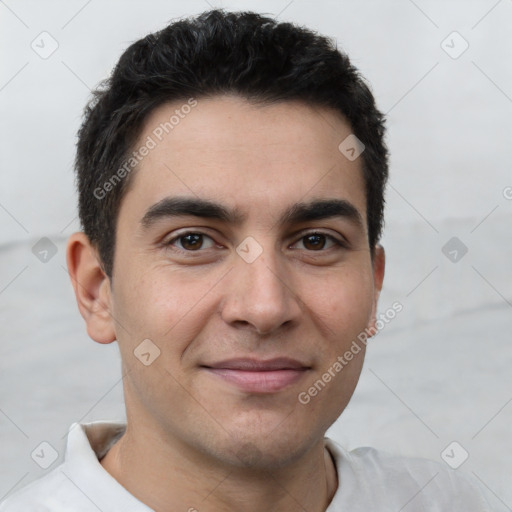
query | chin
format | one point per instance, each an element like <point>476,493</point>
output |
<point>266,452</point>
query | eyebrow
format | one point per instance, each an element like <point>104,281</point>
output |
<point>300,212</point>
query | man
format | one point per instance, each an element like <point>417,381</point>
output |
<point>231,180</point>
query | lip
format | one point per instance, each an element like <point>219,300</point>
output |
<point>259,376</point>
<point>251,364</point>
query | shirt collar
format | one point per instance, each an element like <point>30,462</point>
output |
<point>88,443</point>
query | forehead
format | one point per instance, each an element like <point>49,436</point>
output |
<point>252,157</point>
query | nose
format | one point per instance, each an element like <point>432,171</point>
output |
<point>261,295</point>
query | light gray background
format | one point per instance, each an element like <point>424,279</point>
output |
<point>439,372</point>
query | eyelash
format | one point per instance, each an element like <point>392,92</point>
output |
<point>339,243</point>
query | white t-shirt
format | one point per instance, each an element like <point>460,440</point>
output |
<point>369,481</point>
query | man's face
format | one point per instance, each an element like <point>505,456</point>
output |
<point>206,290</point>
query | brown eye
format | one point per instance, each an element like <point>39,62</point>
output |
<point>319,242</point>
<point>191,242</point>
<point>314,241</point>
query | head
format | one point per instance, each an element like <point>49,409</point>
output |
<point>223,218</point>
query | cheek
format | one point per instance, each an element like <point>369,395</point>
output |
<point>166,306</point>
<point>343,302</point>
<point>343,307</point>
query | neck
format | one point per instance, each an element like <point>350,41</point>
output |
<point>167,476</point>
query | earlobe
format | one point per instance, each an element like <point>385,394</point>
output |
<point>92,288</point>
<point>379,264</point>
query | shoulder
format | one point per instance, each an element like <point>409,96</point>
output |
<point>35,497</point>
<point>80,483</point>
<point>429,484</point>
<point>54,492</point>
<point>396,470</point>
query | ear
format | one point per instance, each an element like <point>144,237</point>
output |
<point>92,288</point>
<point>379,264</point>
